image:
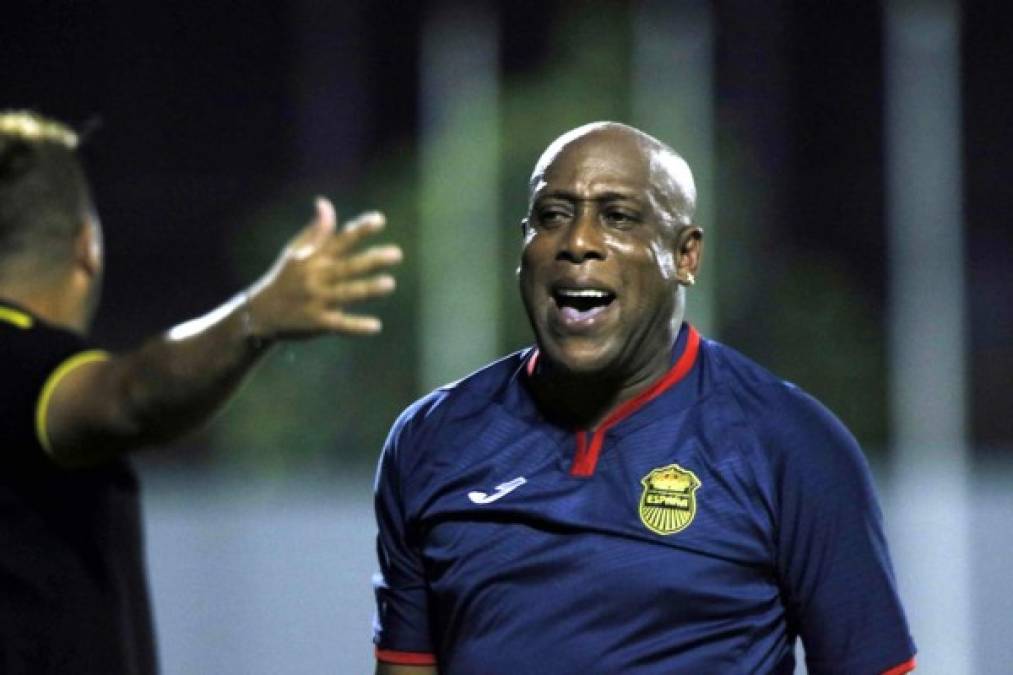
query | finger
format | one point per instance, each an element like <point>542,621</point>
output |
<point>353,324</point>
<point>319,230</point>
<point>355,230</point>
<point>361,289</point>
<point>370,260</point>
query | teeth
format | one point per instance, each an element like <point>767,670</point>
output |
<point>582,293</point>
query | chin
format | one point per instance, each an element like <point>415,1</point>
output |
<point>581,361</point>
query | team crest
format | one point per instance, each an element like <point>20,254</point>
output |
<point>668,503</point>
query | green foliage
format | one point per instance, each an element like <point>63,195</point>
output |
<point>324,405</point>
<point>819,332</point>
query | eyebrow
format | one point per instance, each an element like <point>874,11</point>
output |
<point>604,197</point>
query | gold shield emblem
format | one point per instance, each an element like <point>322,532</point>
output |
<point>668,503</point>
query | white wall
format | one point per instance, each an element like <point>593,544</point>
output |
<point>253,578</point>
<point>274,579</point>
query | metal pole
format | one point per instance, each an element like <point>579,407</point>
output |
<point>673,99</point>
<point>927,350</point>
<point>458,251</point>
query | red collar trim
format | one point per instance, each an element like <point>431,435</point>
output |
<point>586,458</point>
<point>675,373</point>
<point>532,363</point>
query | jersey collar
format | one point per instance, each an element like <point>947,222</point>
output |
<point>589,444</point>
<point>15,315</point>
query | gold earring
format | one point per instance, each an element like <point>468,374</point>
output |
<point>689,279</point>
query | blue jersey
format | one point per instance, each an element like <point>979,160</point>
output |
<point>700,529</point>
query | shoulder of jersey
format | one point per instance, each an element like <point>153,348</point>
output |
<point>777,409</point>
<point>762,396</point>
<point>464,396</point>
<point>729,366</point>
<point>490,377</point>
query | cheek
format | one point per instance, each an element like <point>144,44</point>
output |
<point>527,268</point>
<point>664,260</point>
<point>646,261</point>
<point>649,275</point>
<point>524,265</point>
<point>536,253</point>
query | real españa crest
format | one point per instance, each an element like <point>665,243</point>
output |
<point>668,503</point>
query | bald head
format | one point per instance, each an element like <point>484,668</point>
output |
<point>609,245</point>
<point>666,171</point>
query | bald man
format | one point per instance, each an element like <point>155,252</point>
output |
<point>73,596</point>
<point>627,496</point>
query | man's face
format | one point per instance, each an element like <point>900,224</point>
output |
<point>598,266</point>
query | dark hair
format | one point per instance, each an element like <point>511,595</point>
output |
<point>44,194</point>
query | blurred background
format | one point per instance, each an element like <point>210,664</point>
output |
<point>854,162</point>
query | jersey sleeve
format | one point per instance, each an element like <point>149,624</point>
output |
<point>35,358</point>
<point>833,561</point>
<point>401,632</point>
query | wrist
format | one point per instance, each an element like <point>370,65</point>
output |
<point>253,331</point>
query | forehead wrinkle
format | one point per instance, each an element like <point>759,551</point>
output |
<point>670,187</point>
<point>566,195</point>
<point>657,188</point>
<point>586,140</point>
<point>591,178</point>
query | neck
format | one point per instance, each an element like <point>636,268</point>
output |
<point>586,400</point>
<point>54,303</point>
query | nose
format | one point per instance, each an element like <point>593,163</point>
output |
<point>582,240</point>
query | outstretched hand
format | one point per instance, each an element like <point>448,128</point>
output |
<point>319,273</point>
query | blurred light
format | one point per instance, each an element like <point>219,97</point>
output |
<point>673,99</point>
<point>927,328</point>
<point>459,210</point>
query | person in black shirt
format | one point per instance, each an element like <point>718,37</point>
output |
<point>73,595</point>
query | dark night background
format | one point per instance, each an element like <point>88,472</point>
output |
<point>215,124</point>
<point>209,111</point>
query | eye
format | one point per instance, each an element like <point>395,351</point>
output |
<point>620,218</point>
<point>551,216</point>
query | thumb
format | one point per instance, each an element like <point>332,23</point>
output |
<point>316,232</point>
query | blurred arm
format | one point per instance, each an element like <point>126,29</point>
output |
<point>176,381</point>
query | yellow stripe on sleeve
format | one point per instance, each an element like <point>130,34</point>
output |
<point>13,316</point>
<point>42,407</point>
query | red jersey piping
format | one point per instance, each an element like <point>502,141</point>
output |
<point>405,658</point>
<point>905,667</point>
<point>586,458</point>
<point>532,363</point>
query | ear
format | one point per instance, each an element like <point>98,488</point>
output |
<point>690,250</point>
<point>88,247</point>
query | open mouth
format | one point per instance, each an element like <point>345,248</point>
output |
<point>582,299</point>
<point>578,306</point>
